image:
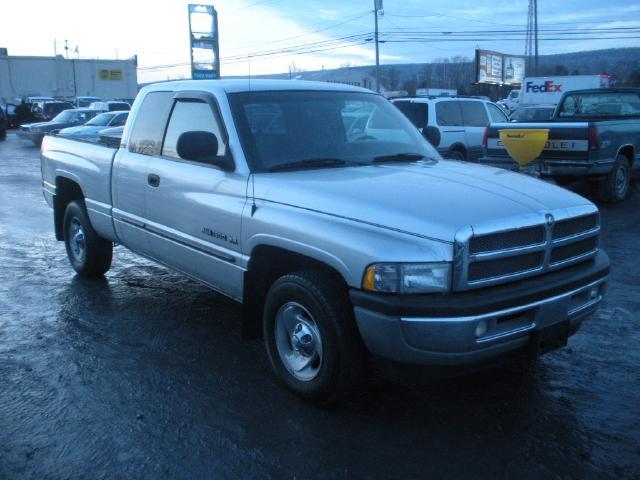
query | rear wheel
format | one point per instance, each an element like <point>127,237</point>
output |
<point>615,186</point>
<point>457,155</point>
<point>311,337</point>
<point>89,254</point>
<point>3,135</point>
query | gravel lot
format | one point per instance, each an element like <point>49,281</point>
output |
<point>144,375</point>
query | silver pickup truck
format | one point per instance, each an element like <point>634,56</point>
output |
<point>344,234</point>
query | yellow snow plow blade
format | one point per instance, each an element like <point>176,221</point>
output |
<point>524,145</point>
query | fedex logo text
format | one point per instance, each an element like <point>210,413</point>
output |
<point>547,86</point>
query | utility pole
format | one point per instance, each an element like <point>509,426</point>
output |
<point>377,5</point>
<point>535,17</point>
<point>66,49</point>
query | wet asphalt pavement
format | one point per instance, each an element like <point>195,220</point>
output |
<point>144,375</point>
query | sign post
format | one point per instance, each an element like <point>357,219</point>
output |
<point>204,42</point>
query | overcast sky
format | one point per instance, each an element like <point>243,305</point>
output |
<point>157,30</point>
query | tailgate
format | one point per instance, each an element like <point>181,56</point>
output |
<point>566,140</point>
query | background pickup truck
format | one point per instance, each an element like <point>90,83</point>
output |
<point>343,244</point>
<point>593,134</point>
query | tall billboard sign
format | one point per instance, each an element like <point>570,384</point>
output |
<point>203,38</point>
<point>499,68</point>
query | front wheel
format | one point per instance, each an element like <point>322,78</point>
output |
<point>615,186</point>
<point>311,337</point>
<point>89,254</point>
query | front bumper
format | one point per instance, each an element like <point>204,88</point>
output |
<point>550,167</point>
<point>469,327</point>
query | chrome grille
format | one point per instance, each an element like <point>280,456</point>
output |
<point>501,266</point>
<point>573,226</point>
<point>505,240</point>
<point>573,250</point>
<point>540,243</point>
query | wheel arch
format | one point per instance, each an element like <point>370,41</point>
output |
<point>268,263</point>
<point>628,151</point>
<point>67,190</point>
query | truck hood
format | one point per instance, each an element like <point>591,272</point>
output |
<point>82,130</point>
<point>433,199</point>
<point>45,126</point>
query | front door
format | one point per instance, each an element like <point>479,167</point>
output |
<point>194,209</point>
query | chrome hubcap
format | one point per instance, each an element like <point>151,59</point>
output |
<point>298,341</point>
<point>77,239</point>
<point>621,181</point>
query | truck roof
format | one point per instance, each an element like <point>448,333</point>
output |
<point>605,90</point>
<point>245,85</point>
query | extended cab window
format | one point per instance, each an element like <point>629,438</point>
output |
<point>474,114</point>
<point>188,116</point>
<point>448,114</point>
<point>151,119</point>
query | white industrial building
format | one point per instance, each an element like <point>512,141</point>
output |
<point>58,77</point>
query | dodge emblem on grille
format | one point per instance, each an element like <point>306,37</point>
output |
<point>549,218</point>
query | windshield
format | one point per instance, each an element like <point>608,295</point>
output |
<point>340,128</point>
<point>605,104</point>
<point>101,120</point>
<point>64,117</point>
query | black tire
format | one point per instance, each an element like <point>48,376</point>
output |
<point>457,155</point>
<point>89,254</point>
<point>341,367</point>
<point>3,135</point>
<point>615,186</point>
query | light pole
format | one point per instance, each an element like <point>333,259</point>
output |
<point>377,5</point>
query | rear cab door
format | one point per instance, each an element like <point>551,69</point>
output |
<point>475,119</point>
<point>130,169</point>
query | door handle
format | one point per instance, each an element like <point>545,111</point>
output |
<point>153,180</point>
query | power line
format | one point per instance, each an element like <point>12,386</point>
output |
<point>329,27</point>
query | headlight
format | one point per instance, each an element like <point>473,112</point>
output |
<point>407,277</point>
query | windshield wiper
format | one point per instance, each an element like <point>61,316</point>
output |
<point>398,157</point>
<point>309,163</point>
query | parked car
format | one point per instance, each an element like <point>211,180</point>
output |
<point>4,124</point>
<point>593,134</point>
<point>454,125</point>
<point>342,248</point>
<point>35,132</point>
<point>110,106</point>
<point>540,113</point>
<point>45,110</point>
<point>511,103</point>
<point>111,136</point>
<point>91,130</point>
<point>85,102</point>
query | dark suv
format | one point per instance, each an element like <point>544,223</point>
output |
<point>46,110</point>
<point>3,124</point>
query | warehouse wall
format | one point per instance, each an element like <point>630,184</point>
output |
<point>59,77</point>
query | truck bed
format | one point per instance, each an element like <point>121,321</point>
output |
<point>86,163</point>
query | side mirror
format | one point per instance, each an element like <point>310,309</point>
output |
<point>432,134</point>
<point>199,146</point>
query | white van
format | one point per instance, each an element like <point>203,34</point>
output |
<point>454,125</point>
